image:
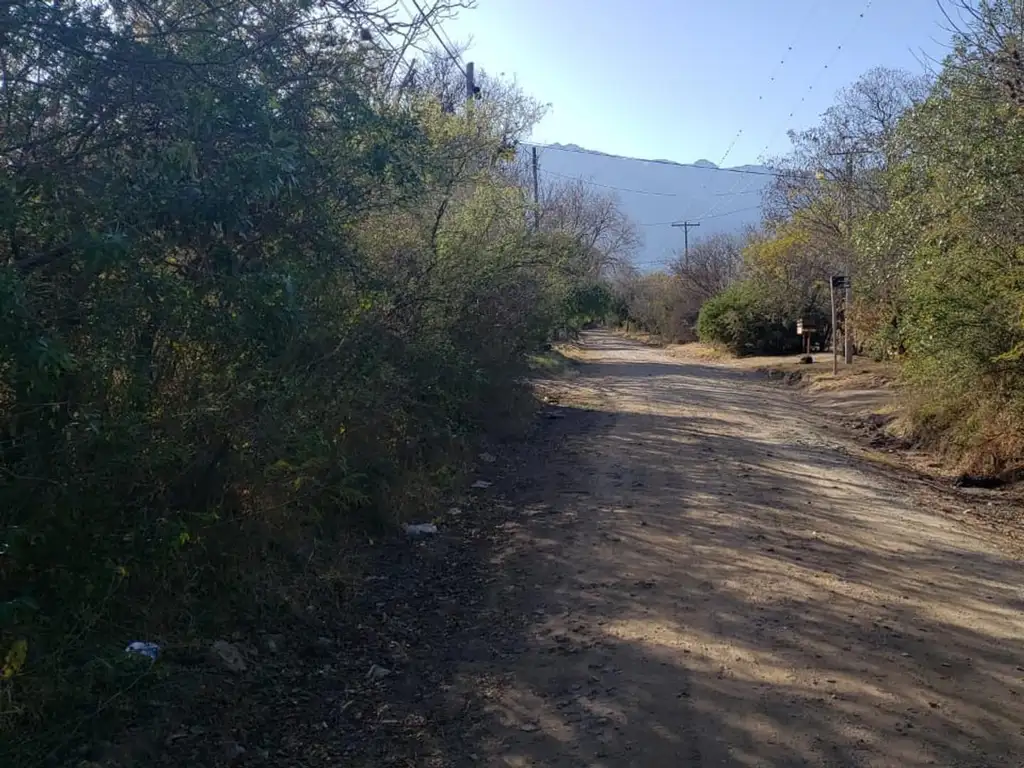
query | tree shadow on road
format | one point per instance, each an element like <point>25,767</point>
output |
<point>689,594</point>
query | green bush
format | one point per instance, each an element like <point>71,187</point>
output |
<point>729,320</point>
<point>742,323</point>
<point>951,238</point>
<point>245,304</point>
<point>587,304</point>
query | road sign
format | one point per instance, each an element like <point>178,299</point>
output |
<point>801,329</point>
<point>840,282</point>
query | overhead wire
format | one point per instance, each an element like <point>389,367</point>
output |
<point>807,91</point>
<point>454,48</point>
<point>711,213</point>
<point>453,55</point>
<point>807,17</point>
<point>716,216</point>
<point>735,194</point>
<point>607,186</point>
<point>399,55</point>
<point>815,6</point>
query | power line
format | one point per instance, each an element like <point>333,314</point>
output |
<point>774,73</point>
<point>711,213</point>
<point>812,11</point>
<point>821,72</point>
<point>705,218</point>
<point>609,186</point>
<point>737,194</point>
<point>399,55</point>
<point>665,262</point>
<point>659,263</point>
<point>730,213</point>
<point>444,46</point>
<point>454,48</point>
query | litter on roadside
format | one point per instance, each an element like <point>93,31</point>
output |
<point>421,529</point>
<point>377,672</point>
<point>149,650</point>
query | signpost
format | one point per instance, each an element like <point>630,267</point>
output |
<point>840,283</point>
<point>805,331</point>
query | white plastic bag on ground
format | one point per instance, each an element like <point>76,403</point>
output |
<point>421,529</point>
<point>150,650</point>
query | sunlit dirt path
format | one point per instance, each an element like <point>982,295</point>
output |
<point>705,579</point>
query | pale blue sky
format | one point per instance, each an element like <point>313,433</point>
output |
<point>676,79</point>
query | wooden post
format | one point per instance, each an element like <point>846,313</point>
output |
<point>804,332</point>
<point>536,192</point>
<point>835,351</point>
<point>686,234</point>
<point>847,325</point>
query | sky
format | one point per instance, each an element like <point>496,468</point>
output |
<point>721,80</point>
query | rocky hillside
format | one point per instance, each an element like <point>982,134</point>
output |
<point>655,193</point>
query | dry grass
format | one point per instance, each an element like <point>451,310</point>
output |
<point>647,339</point>
<point>696,350</point>
<point>862,373</point>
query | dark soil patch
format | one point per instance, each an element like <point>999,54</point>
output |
<point>372,681</point>
<point>791,378</point>
<point>978,481</point>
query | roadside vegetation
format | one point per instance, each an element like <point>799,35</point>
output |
<point>262,285</point>
<point>267,278</point>
<point>913,186</point>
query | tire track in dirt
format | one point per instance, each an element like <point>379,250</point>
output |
<point>703,579</point>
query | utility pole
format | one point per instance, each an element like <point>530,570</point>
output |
<point>848,298</point>
<point>848,180</point>
<point>686,234</point>
<point>536,192</point>
<point>835,351</point>
<point>471,89</point>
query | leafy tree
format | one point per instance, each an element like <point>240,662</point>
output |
<point>942,262</point>
<point>831,174</point>
<point>835,177</point>
<point>255,288</point>
<point>956,204</point>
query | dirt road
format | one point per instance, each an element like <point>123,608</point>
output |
<point>708,580</point>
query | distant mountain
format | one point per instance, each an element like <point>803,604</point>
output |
<point>655,193</point>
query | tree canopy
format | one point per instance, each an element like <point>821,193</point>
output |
<point>261,281</point>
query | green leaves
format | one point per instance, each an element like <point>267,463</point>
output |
<point>218,244</point>
<point>939,271</point>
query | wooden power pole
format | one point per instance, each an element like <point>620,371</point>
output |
<point>848,297</point>
<point>847,186</point>
<point>470,81</point>
<point>835,351</point>
<point>536,191</point>
<point>686,225</point>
